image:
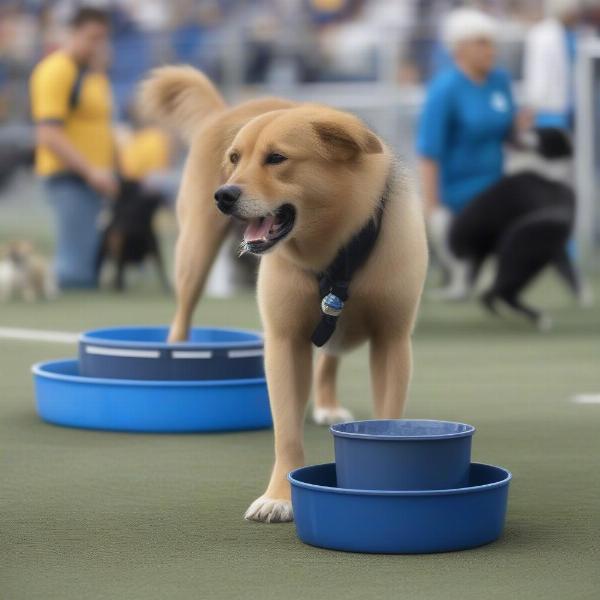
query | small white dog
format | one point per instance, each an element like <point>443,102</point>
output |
<point>25,274</point>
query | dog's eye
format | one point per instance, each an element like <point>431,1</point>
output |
<point>234,158</point>
<point>274,158</point>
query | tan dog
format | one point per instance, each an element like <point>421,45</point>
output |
<point>305,179</point>
<point>25,273</point>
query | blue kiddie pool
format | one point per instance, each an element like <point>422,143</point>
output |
<point>402,454</point>
<point>142,353</point>
<point>399,522</point>
<point>65,397</point>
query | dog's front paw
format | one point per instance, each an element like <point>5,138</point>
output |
<point>270,510</point>
<point>331,416</point>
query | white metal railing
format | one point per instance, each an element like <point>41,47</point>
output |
<point>587,152</point>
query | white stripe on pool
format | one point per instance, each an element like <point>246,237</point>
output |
<point>586,399</point>
<point>126,352</point>
<point>245,353</point>
<point>38,335</point>
<point>191,354</point>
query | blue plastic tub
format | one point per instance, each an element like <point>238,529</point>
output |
<point>66,398</point>
<point>399,522</point>
<point>402,454</point>
<point>143,353</point>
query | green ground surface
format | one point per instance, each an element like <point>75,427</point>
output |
<point>93,515</point>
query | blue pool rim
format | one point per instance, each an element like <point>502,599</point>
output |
<point>94,336</point>
<point>143,353</point>
<point>354,492</point>
<point>469,431</point>
<point>38,370</point>
<point>65,398</point>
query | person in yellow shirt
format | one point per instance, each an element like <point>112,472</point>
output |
<point>71,107</point>
<point>145,152</point>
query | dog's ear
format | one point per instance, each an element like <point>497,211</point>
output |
<point>180,97</point>
<point>345,141</point>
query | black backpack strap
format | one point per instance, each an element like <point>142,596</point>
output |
<point>75,94</point>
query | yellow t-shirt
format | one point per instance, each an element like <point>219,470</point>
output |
<point>144,152</point>
<point>87,124</point>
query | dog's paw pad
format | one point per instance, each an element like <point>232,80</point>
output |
<point>331,416</point>
<point>270,510</point>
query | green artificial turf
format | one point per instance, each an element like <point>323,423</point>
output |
<point>95,515</point>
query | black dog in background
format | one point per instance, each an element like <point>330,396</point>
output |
<point>129,238</point>
<point>14,155</point>
<point>526,221</point>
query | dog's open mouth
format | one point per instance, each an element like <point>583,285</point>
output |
<point>262,233</point>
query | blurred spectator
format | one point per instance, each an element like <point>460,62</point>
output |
<point>349,45</point>
<point>467,118</point>
<point>549,64</point>
<point>146,151</point>
<point>71,106</point>
<point>146,156</point>
<point>133,48</point>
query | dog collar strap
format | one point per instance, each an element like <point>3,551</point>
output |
<point>335,280</point>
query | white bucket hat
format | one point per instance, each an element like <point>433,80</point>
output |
<point>465,24</point>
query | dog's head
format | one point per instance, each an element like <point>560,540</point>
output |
<point>289,173</point>
<point>18,252</point>
<point>299,174</point>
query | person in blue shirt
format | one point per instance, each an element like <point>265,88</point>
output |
<point>468,116</point>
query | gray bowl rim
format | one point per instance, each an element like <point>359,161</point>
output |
<point>470,430</point>
<point>507,476</point>
<point>87,338</point>
<point>40,370</point>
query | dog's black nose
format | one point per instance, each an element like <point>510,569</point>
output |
<point>226,197</point>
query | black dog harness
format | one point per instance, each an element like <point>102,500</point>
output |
<point>335,280</point>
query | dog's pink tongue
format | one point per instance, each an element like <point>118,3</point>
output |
<point>258,229</point>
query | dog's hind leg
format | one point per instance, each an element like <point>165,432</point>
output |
<point>527,247</point>
<point>488,300</point>
<point>492,298</point>
<point>541,321</point>
<point>327,409</point>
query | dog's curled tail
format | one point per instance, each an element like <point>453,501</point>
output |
<point>181,97</point>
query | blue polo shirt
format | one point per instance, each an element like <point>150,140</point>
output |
<point>463,127</point>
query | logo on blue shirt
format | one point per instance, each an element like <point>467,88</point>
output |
<point>499,102</point>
